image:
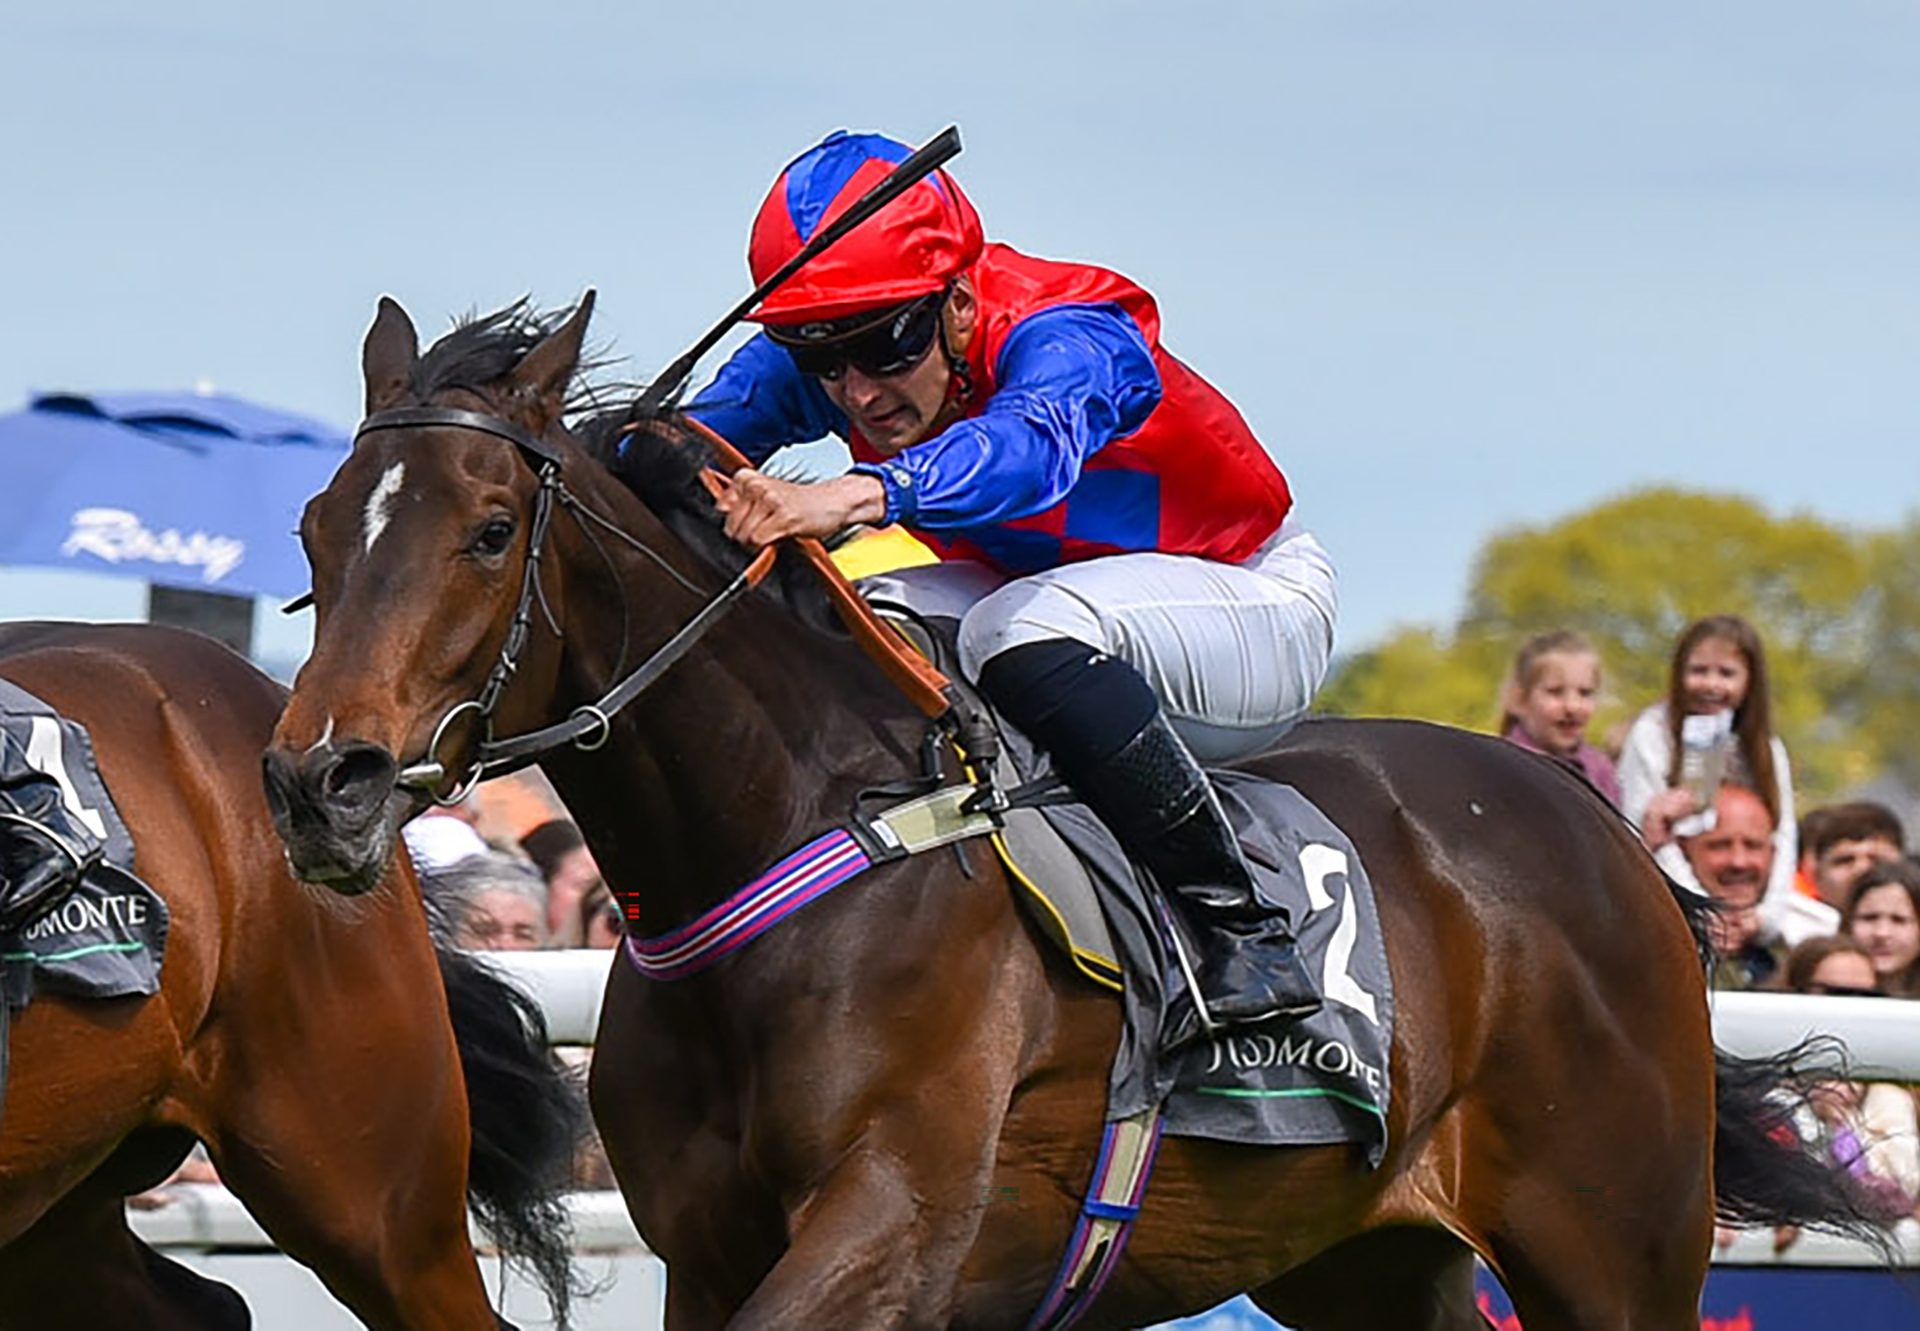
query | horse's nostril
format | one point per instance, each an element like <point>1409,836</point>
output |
<point>359,774</point>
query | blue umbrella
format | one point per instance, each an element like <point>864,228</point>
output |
<point>200,491</point>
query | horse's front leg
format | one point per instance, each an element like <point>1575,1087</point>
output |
<point>880,1240</point>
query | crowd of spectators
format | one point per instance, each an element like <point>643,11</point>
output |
<point>1828,903</point>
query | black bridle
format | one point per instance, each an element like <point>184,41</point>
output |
<point>590,724</point>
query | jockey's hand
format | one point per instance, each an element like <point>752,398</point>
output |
<point>761,509</point>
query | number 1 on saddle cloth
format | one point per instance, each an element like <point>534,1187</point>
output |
<point>46,843</point>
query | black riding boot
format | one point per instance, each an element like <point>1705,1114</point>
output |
<point>1159,803</point>
<point>44,850</point>
<point>1103,726</point>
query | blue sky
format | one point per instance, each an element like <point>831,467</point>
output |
<point>1463,266</point>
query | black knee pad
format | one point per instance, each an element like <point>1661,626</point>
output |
<point>1076,702</point>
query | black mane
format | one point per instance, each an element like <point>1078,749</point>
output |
<point>483,349</point>
<point>660,460</point>
<point>661,465</point>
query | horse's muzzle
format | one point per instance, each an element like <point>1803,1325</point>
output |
<point>337,810</point>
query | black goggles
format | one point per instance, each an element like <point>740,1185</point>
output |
<point>878,345</point>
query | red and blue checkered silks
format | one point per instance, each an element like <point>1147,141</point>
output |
<point>1083,435</point>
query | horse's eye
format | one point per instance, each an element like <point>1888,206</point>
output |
<point>494,537</point>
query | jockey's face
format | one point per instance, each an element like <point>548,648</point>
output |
<point>895,411</point>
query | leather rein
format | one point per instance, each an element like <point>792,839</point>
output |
<point>589,725</point>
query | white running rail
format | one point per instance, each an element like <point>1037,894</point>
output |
<point>1882,1036</point>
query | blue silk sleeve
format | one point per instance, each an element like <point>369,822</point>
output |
<point>760,403</point>
<point>1069,379</point>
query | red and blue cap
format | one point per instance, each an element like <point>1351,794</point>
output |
<point>915,245</point>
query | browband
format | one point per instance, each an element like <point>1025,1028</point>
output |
<point>406,418</point>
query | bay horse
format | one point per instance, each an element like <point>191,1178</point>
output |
<point>884,1112</point>
<point>303,1036</point>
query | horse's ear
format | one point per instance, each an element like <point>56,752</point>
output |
<point>388,356</point>
<point>540,380</point>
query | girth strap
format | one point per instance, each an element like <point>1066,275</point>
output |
<point>1120,1175</point>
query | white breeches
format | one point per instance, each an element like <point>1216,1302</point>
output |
<point>1234,651</point>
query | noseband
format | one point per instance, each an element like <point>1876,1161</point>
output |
<point>590,724</point>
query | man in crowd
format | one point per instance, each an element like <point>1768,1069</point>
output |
<point>1731,861</point>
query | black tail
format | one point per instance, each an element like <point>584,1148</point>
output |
<point>528,1118</point>
<point>1764,1172</point>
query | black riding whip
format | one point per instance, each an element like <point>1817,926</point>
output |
<point>939,150</point>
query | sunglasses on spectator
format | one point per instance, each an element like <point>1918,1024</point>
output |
<point>1844,991</point>
<point>879,346</point>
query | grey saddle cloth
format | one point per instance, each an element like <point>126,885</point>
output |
<point>1314,1082</point>
<point>107,939</point>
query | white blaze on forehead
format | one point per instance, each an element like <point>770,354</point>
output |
<point>380,502</point>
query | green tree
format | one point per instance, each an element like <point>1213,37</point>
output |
<point>1419,672</point>
<point>1631,573</point>
<point>1890,705</point>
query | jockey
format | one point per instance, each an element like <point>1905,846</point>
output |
<point>44,849</point>
<point>1131,586</point>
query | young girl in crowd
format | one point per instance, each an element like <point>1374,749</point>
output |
<point>1548,701</point>
<point>1718,666</point>
<point>1883,917</point>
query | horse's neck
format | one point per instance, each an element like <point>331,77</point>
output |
<point>748,746</point>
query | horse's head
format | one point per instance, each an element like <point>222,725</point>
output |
<point>427,605</point>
